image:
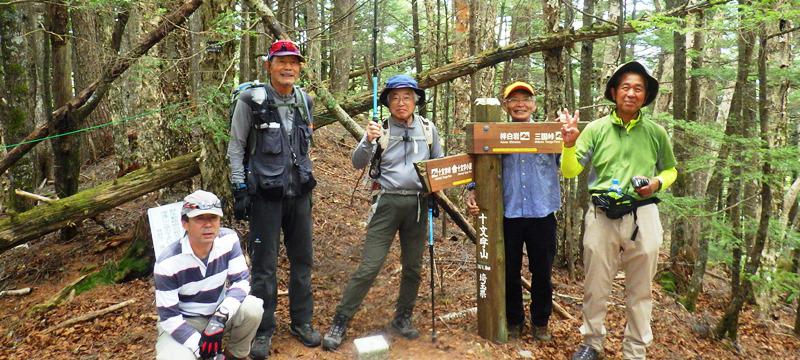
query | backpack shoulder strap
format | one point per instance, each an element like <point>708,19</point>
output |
<point>383,141</point>
<point>301,103</point>
<point>427,129</point>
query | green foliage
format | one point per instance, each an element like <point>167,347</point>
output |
<point>210,116</point>
<point>668,281</point>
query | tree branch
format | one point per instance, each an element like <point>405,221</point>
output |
<point>88,98</point>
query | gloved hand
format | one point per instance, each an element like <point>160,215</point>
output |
<point>433,205</point>
<point>211,337</point>
<point>241,203</point>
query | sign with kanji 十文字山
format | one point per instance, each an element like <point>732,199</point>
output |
<point>444,173</point>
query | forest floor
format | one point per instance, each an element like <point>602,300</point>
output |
<point>47,265</point>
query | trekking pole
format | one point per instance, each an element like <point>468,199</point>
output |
<point>431,204</point>
<point>375,61</point>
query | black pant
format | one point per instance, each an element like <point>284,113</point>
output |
<point>539,236</point>
<point>267,218</point>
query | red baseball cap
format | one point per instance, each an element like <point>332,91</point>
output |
<point>284,48</point>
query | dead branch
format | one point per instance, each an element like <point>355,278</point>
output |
<point>33,196</point>
<point>16,292</point>
<point>458,314</point>
<point>91,315</point>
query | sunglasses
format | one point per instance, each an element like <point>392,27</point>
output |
<point>202,206</point>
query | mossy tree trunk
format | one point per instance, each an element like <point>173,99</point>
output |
<point>47,218</point>
<point>18,102</point>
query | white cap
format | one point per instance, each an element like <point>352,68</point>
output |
<point>201,202</point>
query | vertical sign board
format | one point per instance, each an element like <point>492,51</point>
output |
<point>490,253</point>
<point>165,225</point>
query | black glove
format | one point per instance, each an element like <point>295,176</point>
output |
<point>211,337</point>
<point>433,205</point>
<point>241,204</point>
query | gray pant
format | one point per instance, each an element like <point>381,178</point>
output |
<point>241,327</point>
<point>408,215</point>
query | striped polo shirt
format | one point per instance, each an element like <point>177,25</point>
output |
<point>185,286</point>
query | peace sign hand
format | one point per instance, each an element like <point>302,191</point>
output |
<point>569,127</point>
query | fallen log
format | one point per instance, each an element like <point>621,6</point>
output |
<point>46,218</point>
<point>91,315</point>
<point>360,103</point>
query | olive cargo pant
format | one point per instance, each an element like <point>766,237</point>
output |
<point>392,213</point>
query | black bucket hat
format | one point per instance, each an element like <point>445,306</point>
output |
<point>635,67</point>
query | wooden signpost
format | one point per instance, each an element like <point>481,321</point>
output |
<point>487,140</point>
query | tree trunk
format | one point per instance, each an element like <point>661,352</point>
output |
<point>66,149</point>
<point>728,325</point>
<point>46,218</point>
<point>213,65</point>
<point>691,226</point>
<point>342,30</point>
<point>314,34</point>
<point>681,252</point>
<point>417,46</point>
<point>521,21</point>
<point>88,28</point>
<point>553,62</point>
<point>19,95</point>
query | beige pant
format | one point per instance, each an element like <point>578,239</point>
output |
<point>607,244</point>
<point>241,329</point>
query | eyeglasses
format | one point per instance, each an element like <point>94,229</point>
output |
<point>401,99</point>
<point>202,206</point>
<point>518,101</point>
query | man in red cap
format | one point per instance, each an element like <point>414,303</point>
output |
<point>271,175</point>
<point>631,159</point>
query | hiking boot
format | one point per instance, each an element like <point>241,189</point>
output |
<point>403,325</point>
<point>306,333</point>
<point>260,348</point>
<point>586,352</point>
<point>333,338</point>
<point>541,333</point>
<point>514,331</point>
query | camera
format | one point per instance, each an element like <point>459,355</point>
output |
<point>639,181</point>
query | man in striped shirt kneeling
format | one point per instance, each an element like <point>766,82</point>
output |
<point>195,307</point>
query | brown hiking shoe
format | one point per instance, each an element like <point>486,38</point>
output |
<point>541,333</point>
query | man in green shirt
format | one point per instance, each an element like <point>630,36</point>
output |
<point>631,160</point>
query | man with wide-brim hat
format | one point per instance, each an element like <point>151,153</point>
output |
<point>631,160</point>
<point>399,202</point>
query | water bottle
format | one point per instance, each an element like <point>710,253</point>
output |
<point>615,190</point>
